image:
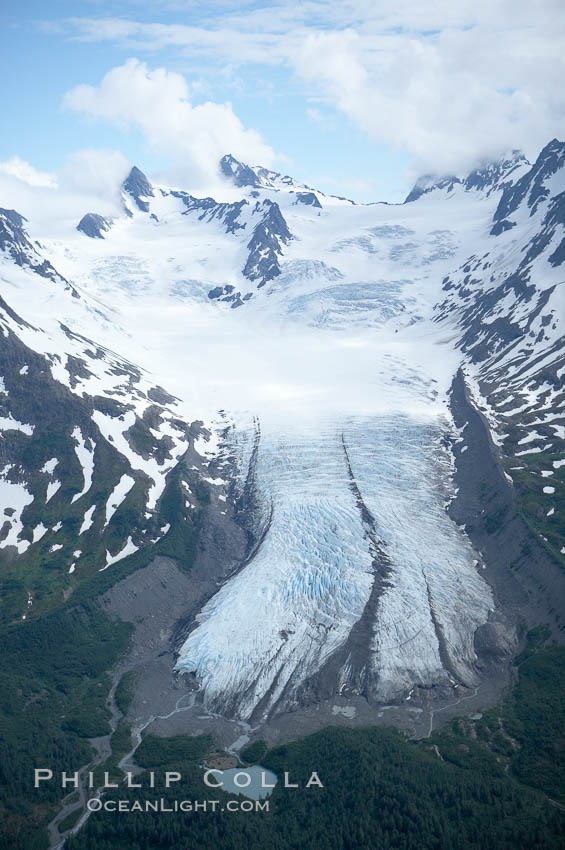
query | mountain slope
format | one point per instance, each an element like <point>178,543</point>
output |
<point>88,445</point>
<point>329,395</point>
<point>508,303</point>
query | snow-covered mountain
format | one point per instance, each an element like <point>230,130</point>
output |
<point>488,178</point>
<point>507,301</point>
<point>321,416</point>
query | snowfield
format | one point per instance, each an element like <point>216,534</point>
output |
<point>339,363</point>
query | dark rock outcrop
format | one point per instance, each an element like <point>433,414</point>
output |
<point>138,187</point>
<point>487,178</point>
<point>15,242</point>
<point>308,198</point>
<point>208,209</point>
<point>94,225</point>
<point>239,172</point>
<point>531,187</point>
<point>229,294</point>
<point>265,245</point>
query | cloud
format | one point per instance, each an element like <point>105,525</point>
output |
<point>448,82</point>
<point>95,173</point>
<point>450,99</point>
<point>88,181</point>
<point>26,173</point>
<point>157,103</point>
<point>322,119</point>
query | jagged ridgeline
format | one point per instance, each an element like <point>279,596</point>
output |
<point>100,465</point>
<point>94,455</point>
<point>356,479</point>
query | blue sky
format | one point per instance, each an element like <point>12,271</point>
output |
<point>355,98</point>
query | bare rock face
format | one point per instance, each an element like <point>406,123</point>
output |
<point>489,177</point>
<point>94,225</point>
<point>138,187</point>
<point>16,244</point>
<point>371,550</point>
<point>308,198</point>
<point>496,640</point>
<point>265,246</point>
<point>239,172</point>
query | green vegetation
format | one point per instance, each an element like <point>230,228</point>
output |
<point>53,689</point>
<point>125,691</point>
<point>486,786</point>
<point>120,744</point>
<point>45,573</point>
<point>70,820</point>
<point>495,520</point>
<point>154,752</point>
<point>54,661</point>
<point>57,647</point>
<point>255,752</point>
<point>524,737</point>
<point>182,537</point>
<point>534,505</point>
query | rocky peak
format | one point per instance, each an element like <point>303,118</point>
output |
<point>429,183</point>
<point>13,238</point>
<point>494,174</point>
<point>15,243</point>
<point>487,177</point>
<point>265,246</point>
<point>94,225</point>
<point>258,177</point>
<point>138,186</point>
<point>530,186</point>
<point>13,217</point>
<point>240,173</point>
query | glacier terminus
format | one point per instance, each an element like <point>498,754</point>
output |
<point>321,370</point>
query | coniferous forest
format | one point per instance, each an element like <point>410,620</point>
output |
<point>495,782</point>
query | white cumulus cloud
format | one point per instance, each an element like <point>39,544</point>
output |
<point>449,82</point>
<point>95,173</point>
<point>450,99</point>
<point>88,181</point>
<point>22,170</point>
<point>157,102</point>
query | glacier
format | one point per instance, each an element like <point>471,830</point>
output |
<point>338,498</point>
<point>327,389</point>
